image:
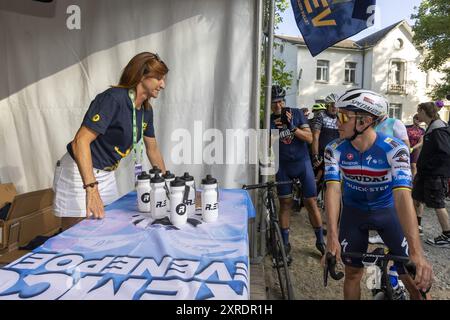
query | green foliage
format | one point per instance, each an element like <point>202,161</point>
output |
<point>432,36</point>
<point>440,91</point>
<point>279,75</point>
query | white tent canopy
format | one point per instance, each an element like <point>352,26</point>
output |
<point>50,74</point>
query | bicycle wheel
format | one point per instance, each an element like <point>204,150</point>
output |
<point>280,262</point>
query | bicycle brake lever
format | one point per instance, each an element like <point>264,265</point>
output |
<point>330,261</point>
<point>411,268</point>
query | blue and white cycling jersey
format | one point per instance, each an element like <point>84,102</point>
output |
<point>369,177</point>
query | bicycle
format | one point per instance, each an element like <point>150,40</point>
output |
<point>274,240</point>
<point>383,291</point>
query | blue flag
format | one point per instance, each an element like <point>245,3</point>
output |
<point>323,23</point>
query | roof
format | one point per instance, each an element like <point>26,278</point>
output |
<point>345,44</point>
<point>374,38</point>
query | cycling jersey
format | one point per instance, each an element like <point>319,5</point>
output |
<point>392,128</point>
<point>328,129</point>
<point>369,177</point>
<point>291,148</point>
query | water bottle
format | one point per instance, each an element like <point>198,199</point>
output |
<point>190,202</point>
<point>168,177</point>
<point>178,196</point>
<point>143,192</point>
<point>210,199</point>
<point>155,170</point>
<point>397,290</point>
<point>158,197</point>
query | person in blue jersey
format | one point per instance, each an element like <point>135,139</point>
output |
<point>370,173</point>
<point>294,162</point>
<point>118,122</point>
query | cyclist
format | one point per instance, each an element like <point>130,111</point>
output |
<point>294,162</point>
<point>324,130</point>
<point>376,178</point>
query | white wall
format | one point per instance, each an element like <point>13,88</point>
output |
<point>311,90</point>
<point>416,87</point>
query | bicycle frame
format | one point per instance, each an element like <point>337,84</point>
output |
<point>274,239</point>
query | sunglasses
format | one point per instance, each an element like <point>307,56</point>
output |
<point>344,118</point>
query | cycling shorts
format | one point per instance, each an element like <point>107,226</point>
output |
<point>300,169</point>
<point>354,233</point>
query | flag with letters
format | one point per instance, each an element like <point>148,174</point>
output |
<point>323,23</point>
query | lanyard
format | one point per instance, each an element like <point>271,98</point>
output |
<point>136,145</point>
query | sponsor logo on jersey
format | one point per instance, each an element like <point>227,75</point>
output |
<point>392,143</point>
<point>402,177</point>
<point>350,156</point>
<point>366,176</point>
<point>328,154</point>
<point>286,136</point>
<point>349,163</point>
<point>401,156</point>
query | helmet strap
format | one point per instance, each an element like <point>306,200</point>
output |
<point>357,133</point>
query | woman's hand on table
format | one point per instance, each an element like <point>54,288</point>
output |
<point>94,204</point>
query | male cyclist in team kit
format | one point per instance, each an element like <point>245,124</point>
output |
<point>324,129</point>
<point>371,173</point>
<point>294,162</point>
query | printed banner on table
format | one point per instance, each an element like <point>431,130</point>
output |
<point>323,23</point>
<point>129,256</point>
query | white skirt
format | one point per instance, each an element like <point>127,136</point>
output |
<point>70,197</point>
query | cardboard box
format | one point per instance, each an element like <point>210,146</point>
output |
<point>30,215</point>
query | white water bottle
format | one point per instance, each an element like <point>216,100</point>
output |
<point>190,203</point>
<point>158,197</point>
<point>143,190</point>
<point>155,170</point>
<point>210,199</point>
<point>178,195</point>
<point>168,177</point>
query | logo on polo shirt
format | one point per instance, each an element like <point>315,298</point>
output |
<point>96,118</point>
<point>145,126</point>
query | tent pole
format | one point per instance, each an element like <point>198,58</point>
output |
<point>256,258</point>
<point>267,111</point>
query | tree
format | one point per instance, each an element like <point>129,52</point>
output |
<point>432,36</point>
<point>279,75</point>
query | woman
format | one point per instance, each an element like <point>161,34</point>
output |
<point>415,134</point>
<point>112,128</point>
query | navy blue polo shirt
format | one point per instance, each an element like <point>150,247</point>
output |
<point>111,116</point>
<point>291,148</point>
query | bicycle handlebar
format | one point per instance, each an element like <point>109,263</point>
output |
<point>330,264</point>
<point>268,184</point>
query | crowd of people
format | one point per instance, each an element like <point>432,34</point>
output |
<point>377,174</point>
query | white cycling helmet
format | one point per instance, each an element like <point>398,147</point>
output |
<point>333,97</point>
<point>363,100</point>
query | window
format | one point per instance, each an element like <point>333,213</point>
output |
<point>397,72</point>
<point>397,77</point>
<point>398,44</point>
<point>322,70</point>
<point>395,111</point>
<point>350,72</point>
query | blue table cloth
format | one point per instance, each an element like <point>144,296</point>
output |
<point>130,256</point>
